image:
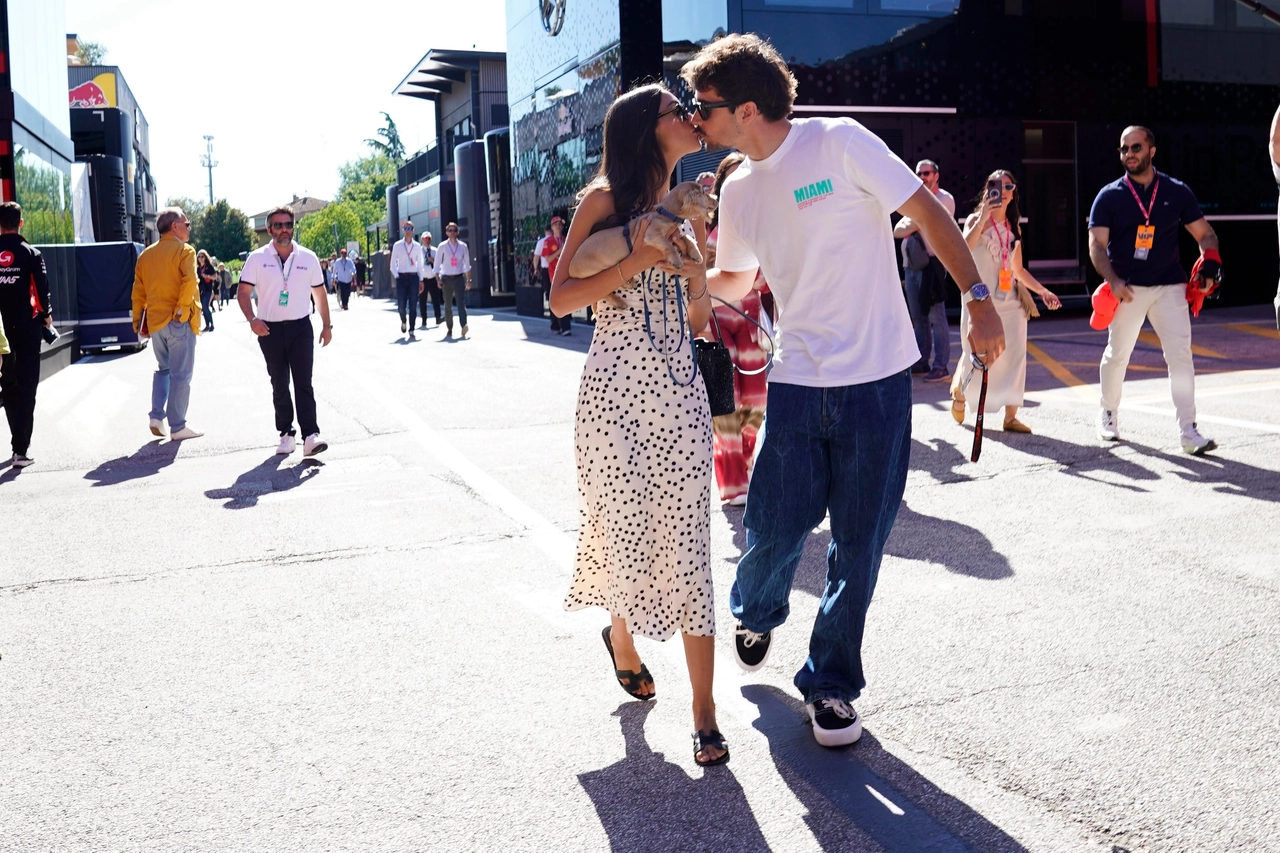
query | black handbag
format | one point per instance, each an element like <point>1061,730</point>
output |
<point>716,366</point>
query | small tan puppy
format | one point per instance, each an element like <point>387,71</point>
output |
<point>608,247</point>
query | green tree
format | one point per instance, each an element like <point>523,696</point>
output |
<point>91,52</point>
<point>363,185</point>
<point>224,231</point>
<point>315,231</point>
<point>390,144</point>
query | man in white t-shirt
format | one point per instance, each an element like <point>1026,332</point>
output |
<point>927,288</point>
<point>1275,168</point>
<point>809,208</point>
<point>286,279</point>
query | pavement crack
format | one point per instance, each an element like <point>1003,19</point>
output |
<point>950,700</point>
<point>297,558</point>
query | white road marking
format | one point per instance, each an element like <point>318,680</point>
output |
<point>888,804</point>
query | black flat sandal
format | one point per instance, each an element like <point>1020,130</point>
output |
<point>630,681</point>
<point>713,738</point>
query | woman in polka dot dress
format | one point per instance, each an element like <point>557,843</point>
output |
<point>643,440</point>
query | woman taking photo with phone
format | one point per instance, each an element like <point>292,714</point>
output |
<point>209,280</point>
<point>995,239</point>
<point>643,429</point>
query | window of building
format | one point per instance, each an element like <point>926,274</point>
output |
<point>937,7</point>
<point>1193,12</point>
<point>44,191</point>
<point>1248,19</point>
<point>1047,196</point>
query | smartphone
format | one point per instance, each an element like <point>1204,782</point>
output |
<point>993,191</point>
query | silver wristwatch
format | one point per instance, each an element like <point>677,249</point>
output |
<point>978,293</point>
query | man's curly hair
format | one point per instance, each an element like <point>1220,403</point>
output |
<point>743,67</point>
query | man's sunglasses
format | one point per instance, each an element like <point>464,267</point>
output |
<point>1135,148</point>
<point>704,109</point>
<point>451,230</point>
<point>281,226</point>
<point>407,229</point>
<point>924,173</point>
<point>679,109</point>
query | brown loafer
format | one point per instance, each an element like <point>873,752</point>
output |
<point>1015,425</point>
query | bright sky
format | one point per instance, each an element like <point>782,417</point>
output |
<point>287,89</point>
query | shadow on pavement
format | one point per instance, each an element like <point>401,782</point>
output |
<point>940,460</point>
<point>1226,476</point>
<point>263,479</point>
<point>1078,460</point>
<point>646,803</point>
<point>958,547</point>
<point>146,462</point>
<point>538,330</point>
<point>880,795</point>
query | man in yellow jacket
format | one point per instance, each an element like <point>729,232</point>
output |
<point>166,308</point>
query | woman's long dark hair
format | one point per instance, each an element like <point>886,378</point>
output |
<point>1010,212</point>
<point>633,167</point>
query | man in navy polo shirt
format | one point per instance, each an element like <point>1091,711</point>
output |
<point>1133,243</point>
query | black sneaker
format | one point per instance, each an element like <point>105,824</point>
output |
<point>835,722</point>
<point>920,367</point>
<point>21,460</point>
<point>750,649</point>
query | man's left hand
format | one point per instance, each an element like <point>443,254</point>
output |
<point>468,284</point>
<point>326,335</point>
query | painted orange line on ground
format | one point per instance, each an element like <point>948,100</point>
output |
<point>1149,337</point>
<point>1260,331</point>
<point>1066,377</point>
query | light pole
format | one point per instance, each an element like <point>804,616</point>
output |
<point>207,161</point>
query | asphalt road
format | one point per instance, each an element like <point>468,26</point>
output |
<point>1073,647</point>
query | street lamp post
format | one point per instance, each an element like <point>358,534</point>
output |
<point>207,161</point>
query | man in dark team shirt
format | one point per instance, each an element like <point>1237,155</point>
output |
<point>1133,243</point>
<point>26,308</point>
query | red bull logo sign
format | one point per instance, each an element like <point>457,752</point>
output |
<point>96,93</point>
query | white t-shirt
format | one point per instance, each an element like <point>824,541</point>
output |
<point>814,217</point>
<point>271,278</point>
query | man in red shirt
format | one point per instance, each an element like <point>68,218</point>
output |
<point>551,247</point>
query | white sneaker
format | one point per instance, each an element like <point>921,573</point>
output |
<point>185,433</point>
<point>1195,443</point>
<point>287,444</point>
<point>1108,426</point>
<point>314,444</point>
<point>835,722</point>
<point>157,427</point>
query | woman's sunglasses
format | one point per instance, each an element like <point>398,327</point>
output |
<point>679,109</point>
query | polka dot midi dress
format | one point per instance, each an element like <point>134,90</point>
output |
<point>644,457</point>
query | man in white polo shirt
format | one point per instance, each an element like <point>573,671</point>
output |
<point>809,208</point>
<point>286,278</point>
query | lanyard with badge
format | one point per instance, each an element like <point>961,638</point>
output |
<point>1146,233</point>
<point>453,254</point>
<point>1005,240</point>
<point>286,269</point>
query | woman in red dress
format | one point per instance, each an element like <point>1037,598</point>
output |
<point>735,434</point>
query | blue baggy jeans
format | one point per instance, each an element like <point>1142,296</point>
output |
<point>841,450</point>
<point>175,347</point>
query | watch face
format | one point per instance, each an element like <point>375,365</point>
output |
<point>979,291</point>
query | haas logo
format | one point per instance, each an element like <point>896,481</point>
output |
<point>6,259</point>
